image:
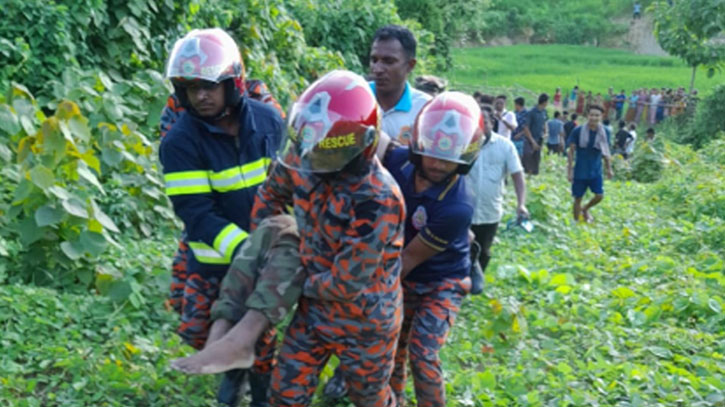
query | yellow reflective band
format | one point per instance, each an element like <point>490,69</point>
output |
<point>206,254</point>
<point>228,239</point>
<point>235,178</point>
<point>187,182</point>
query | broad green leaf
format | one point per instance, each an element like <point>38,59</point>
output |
<point>119,291</point>
<point>714,305</point>
<point>29,231</point>
<point>71,250</point>
<point>5,153</point>
<point>8,120</point>
<point>623,292</point>
<point>93,243</point>
<point>79,127</point>
<point>75,207</point>
<point>86,174</point>
<point>48,215</point>
<point>42,177</point>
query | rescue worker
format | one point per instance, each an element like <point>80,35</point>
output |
<point>214,157</point>
<point>447,138</point>
<point>350,215</point>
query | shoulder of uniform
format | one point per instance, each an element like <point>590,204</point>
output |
<point>263,110</point>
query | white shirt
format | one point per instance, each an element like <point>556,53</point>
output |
<point>398,121</point>
<point>630,147</point>
<point>498,158</point>
<point>509,117</point>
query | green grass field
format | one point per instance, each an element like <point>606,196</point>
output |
<point>543,68</point>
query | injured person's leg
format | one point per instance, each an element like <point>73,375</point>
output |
<point>261,286</point>
<point>235,350</point>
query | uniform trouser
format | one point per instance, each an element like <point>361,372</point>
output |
<point>429,312</point>
<point>265,275</point>
<point>485,234</point>
<point>364,343</point>
<point>193,295</point>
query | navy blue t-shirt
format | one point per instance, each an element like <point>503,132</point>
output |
<point>441,215</point>
<point>588,162</point>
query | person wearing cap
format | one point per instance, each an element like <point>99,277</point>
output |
<point>214,157</point>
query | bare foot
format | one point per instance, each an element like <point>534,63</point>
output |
<point>588,218</point>
<point>220,356</point>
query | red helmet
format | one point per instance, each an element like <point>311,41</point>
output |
<point>335,121</point>
<point>450,128</point>
<point>206,55</point>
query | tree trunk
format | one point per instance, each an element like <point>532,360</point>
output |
<point>692,81</point>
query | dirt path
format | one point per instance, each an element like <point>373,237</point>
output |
<point>640,38</point>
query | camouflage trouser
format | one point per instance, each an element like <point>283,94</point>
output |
<point>178,275</point>
<point>429,311</point>
<point>268,282</point>
<point>265,275</point>
<point>364,342</point>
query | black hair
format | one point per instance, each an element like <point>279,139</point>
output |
<point>606,122</point>
<point>402,34</point>
<point>574,116</point>
<point>557,114</point>
<point>485,99</point>
<point>596,107</point>
<point>622,124</point>
<point>543,98</point>
<point>651,130</point>
<point>519,101</point>
<point>501,97</point>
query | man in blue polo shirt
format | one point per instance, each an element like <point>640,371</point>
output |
<point>590,142</point>
<point>392,58</point>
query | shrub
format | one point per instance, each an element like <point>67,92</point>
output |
<point>707,123</point>
<point>348,27</point>
<point>55,201</point>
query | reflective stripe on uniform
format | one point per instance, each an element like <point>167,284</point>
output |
<point>245,176</point>
<point>206,254</point>
<point>231,179</point>
<point>228,239</point>
<point>187,182</point>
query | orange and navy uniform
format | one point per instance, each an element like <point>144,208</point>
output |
<point>211,179</point>
<point>351,231</point>
<point>433,291</point>
<point>257,90</point>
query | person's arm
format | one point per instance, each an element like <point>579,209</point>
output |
<point>214,239</point>
<point>608,166</point>
<point>520,188</point>
<point>440,231</point>
<point>570,157</point>
<point>376,223</point>
<point>510,124</point>
<point>274,194</point>
<point>527,134</point>
<point>415,253</point>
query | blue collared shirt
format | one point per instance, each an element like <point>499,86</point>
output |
<point>398,121</point>
<point>441,215</point>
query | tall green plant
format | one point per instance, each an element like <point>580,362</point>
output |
<point>688,29</point>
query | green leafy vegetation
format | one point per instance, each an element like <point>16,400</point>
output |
<point>627,311</point>
<point>543,68</point>
<point>348,27</point>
